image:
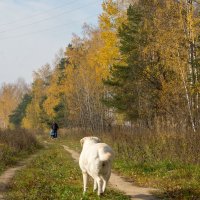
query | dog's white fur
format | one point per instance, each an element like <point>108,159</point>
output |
<point>95,160</point>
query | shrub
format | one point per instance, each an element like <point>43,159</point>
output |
<point>15,144</point>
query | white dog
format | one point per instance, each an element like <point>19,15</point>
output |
<point>95,160</point>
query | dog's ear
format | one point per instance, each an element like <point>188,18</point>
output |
<point>98,140</point>
<point>82,141</point>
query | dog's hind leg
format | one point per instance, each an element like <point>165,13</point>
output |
<point>85,181</point>
<point>95,185</point>
<point>104,185</point>
<point>99,183</point>
<point>105,180</point>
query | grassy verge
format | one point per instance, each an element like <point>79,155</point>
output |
<point>16,145</point>
<point>54,175</point>
<point>167,162</point>
<point>175,180</point>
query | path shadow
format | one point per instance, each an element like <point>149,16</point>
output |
<point>3,187</point>
<point>143,197</point>
<point>184,193</point>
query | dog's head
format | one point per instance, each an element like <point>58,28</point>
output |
<point>90,139</point>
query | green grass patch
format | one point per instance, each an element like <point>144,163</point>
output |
<point>175,180</point>
<point>54,175</point>
<point>10,157</point>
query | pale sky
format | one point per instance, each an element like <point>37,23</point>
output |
<point>33,31</point>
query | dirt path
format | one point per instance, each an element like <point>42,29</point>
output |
<point>136,193</point>
<point>7,176</point>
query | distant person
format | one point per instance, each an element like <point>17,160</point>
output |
<point>54,128</point>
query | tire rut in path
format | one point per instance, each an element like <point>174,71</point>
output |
<point>6,176</point>
<point>116,182</point>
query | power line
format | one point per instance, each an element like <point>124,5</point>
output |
<point>46,19</point>
<point>36,15</point>
<point>43,30</point>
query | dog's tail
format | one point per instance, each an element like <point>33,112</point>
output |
<point>106,160</point>
<point>105,163</point>
<point>106,157</point>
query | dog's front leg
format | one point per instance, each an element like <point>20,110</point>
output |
<point>85,180</point>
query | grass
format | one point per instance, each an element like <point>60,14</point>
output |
<point>175,180</point>
<point>16,145</point>
<point>169,162</point>
<point>54,175</point>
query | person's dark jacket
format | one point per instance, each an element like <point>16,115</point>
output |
<point>54,127</point>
